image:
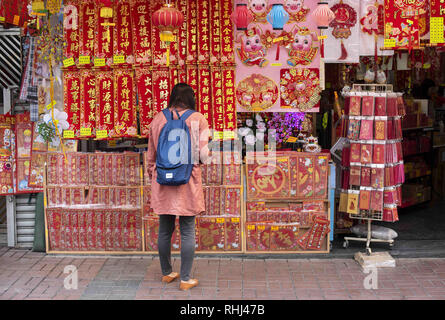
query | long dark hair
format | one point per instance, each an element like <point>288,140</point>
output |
<point>182,96</point>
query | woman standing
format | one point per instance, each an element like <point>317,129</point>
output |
<point>186,200</point>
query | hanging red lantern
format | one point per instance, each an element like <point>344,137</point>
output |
<point>241,17</point>
<point>167,19</point>
<point>323,16</point>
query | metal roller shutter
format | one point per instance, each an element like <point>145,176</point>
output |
<point>25,219</point>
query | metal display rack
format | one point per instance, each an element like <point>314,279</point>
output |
<point>369,216</point>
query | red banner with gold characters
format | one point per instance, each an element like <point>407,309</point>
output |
<point>204,94</point>
<point>141,23</point>
<point>104,38</point>
<point>215,29</point>
<point>227,40</point>
<point>105,104</point>
<point>229,98</point>
<point>192,30</point>
<point>192,78</point>
<point>437,22</point>
<point>87,24</point>
<point>217,101</point>
<point>204,32</point>
<point>123,33</point>
<point>125,116</point>
<point>72,96</point>
<point>182,33</point>
<point>88,104</point>
<point>144,86</point>
<point>71,28</point>
<point>161,89</point>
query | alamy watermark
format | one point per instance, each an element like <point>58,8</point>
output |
<point>71,281</point>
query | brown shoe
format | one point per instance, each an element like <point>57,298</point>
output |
<point>171,277</point>
<point>186,285</point>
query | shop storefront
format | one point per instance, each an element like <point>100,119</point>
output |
<point>321,115</point>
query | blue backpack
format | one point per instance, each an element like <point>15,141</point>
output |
<point>174,154</point>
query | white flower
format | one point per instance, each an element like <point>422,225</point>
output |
<point>258,118</point>
<point>60,119</point>
<point>250,140</point>
<point>244,131</point>
<point>249,122</point>
<point>261,126</point>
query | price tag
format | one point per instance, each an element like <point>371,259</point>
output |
<point>85,132</point>
<point>220,220</point>
<point>286,107</point>
<point>389,43</point>
<point>218,135</point>
<point>292,139</point>
<point>282,160</point>
<point>274,228</point>
<point>235,219</point>
<point>99,62</point>
<point>250,227</point>
<point>2,19</point>
<point>119,59</point>
<point>68,62</point>
<point>16,20</point>
<point>322,37</point>
<point>276,64</point>
<point>101,134</point>
<point>261,228</point>
<point>427,65</point>
<point>227,135</point>
<point>68,134</point>
<point>84,60</point>
<point>52,104</point>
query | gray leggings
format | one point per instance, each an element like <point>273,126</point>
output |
<point>166,228</point>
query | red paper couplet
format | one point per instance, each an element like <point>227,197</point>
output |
<point>105,102</point>
<point>72,93</point>
<point>125,117</point>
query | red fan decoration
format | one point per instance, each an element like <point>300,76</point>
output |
<point>168,19</point>
<point>345,19</point>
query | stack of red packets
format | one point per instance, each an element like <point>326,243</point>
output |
<point>97,211</point>
<point>372,165</point>
<point>219,229</point>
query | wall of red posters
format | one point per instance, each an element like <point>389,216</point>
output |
<point>121,39</point>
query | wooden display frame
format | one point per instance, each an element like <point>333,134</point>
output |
<point>288,200</point>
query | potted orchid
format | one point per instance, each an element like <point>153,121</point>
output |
<point>286,125</point>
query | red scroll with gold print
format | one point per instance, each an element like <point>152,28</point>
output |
<point>182,33</point>
<point>105,103</point>
<point>145,94</point>
<point>204,95</point>
<point>71,83</point>
<point>217,115</point>
<point>161,89</point>
<point>204,32</point>
<point>229,98</point>
<point>71,28</point>
<point>88,103</point>
<point>104,38</point>
<point>227,40</point>
<point>192,29</point>
<point>215,30</point>
<point>125,117</point>
<point>87,24</point>
<point>123,35</point>
<point>141,23</point>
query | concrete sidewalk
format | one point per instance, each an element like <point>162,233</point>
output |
<point>29,275</point>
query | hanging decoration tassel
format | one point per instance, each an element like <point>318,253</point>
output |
<point>344,53</point>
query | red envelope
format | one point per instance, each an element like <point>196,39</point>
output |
<point>364,200</point>
<point>355,152</point>
<point>366,153</point>
<point>365,180</point>
<point>380,106</point>
<point>355,105</point>
<point>367,106</point>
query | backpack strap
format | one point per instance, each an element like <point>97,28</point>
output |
<point>168,115</point>
<point>187,114</point>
